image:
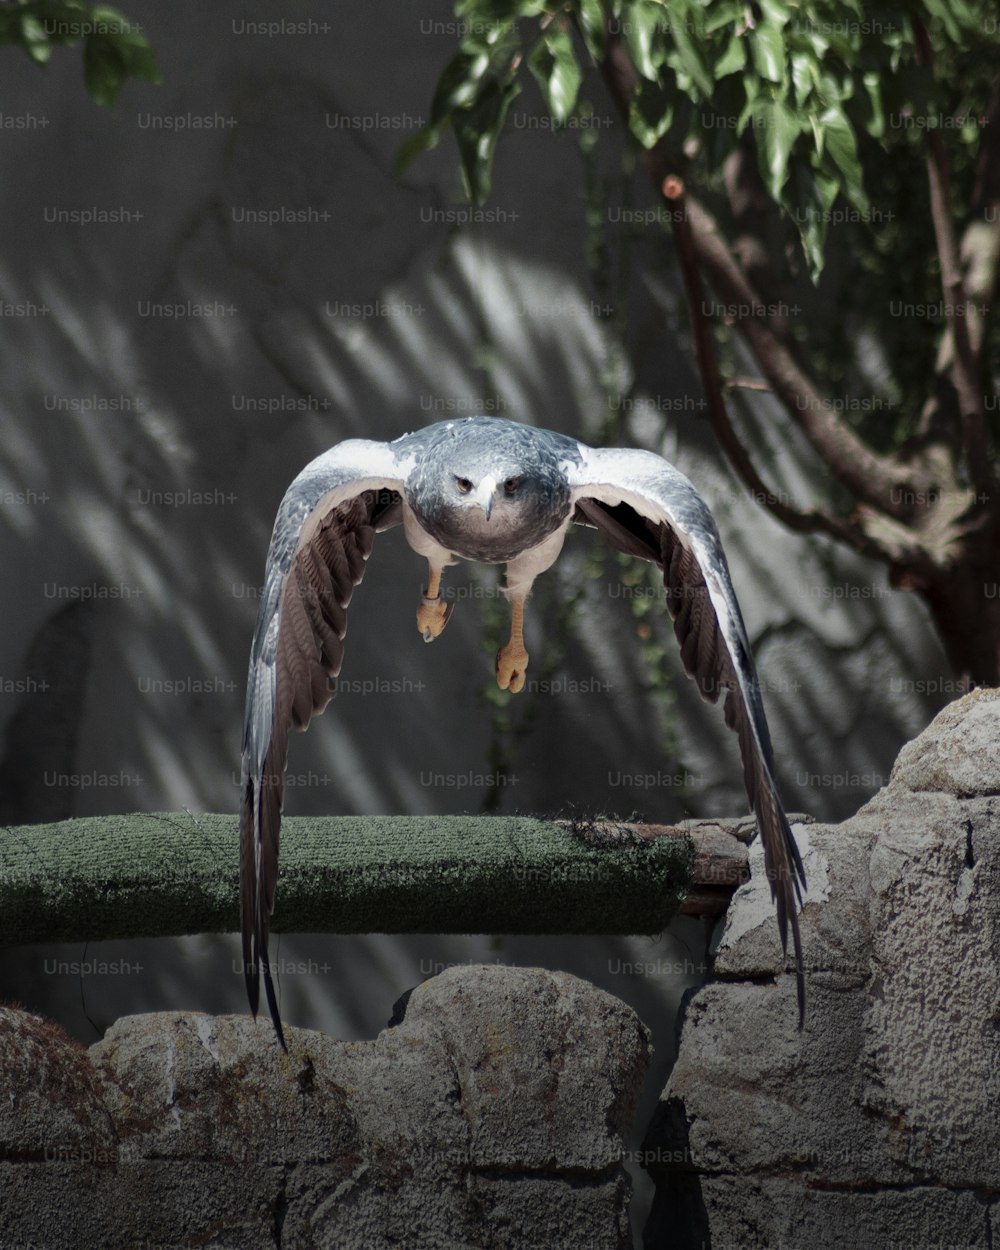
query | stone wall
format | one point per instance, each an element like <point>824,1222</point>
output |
<point>490,1113</point>
<point>878,1126</point>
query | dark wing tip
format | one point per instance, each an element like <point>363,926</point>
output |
<point>797,885</point>
<point>800,976</point>
<point>787,893</point>
<point>272,1001</point>
<point>254,917</point>
<point>248,896</point>
<point>787,879</point>
<point>251,974</point>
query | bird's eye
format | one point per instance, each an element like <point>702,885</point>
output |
<point>512,485</point>
<point>463,484</point>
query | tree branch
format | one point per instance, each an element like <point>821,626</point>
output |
<point>813,521</point>
<point>966,363</point>
<point>873,478</point>
<point>980,246</point>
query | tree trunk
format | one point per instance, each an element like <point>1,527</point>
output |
<point>965,605</point>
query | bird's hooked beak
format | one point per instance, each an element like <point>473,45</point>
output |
<point>484,495</point>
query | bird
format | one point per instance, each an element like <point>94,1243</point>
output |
<point>495,491</point>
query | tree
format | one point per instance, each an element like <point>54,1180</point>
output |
<point>780,134</point>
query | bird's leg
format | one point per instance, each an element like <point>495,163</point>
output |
<point>512,659</point>
<point>433,613</point>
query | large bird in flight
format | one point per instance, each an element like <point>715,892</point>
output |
<point>504,493</point>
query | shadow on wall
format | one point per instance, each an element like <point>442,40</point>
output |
<point>158,540</point>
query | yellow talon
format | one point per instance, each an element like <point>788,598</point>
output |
<point>433,613</point>
<point>512,662</point>
<point>432,616</point>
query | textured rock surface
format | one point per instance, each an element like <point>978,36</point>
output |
<point>492,1114</point>
<point>879,1125</point>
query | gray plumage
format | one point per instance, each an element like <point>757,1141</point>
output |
<point>466,451</point>
<point>495,491</point>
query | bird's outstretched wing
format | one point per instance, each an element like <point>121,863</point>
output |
<point>323,534</point>
<point>647,508</point>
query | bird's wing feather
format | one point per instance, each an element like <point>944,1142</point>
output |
<point>646,507</point>
<point>322,536</point>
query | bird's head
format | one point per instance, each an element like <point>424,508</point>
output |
<point>505,489</point>
<point>490,489</point>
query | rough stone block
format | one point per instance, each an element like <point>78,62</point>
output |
<point>879,1124</point>
<point>492,1113</point>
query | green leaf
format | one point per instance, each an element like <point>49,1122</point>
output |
<point>553,64</point>
<point>62,22</point>
<point>776,12</point>
<point>775,129</point>
<point>642,23</point>
<point>459,83</point>
<point>832,89</point>
<point>650,112</point>
<point>768,50</point>
<point>733,59</point>
<point>817,132</point>
<point>751,89</point>
<point>819,44</point>
<point>839,47</point>
<point>477,130</point>
<point>113,51</point>
<point>113,48</point>
<point>104,68</point>
<point>129,42</point>
<point>875,123</point>
<point>422,140</point>
<point>842,148</point>
<point>804,76</point>
<point>691,58</point>
<point>723,13</point>
<point>808,197</point>
<point>591,14</point>
<point>34,38</point>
